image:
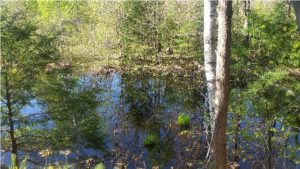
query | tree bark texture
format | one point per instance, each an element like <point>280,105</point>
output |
<point>14,145</point>
<point>222,83</point>
<point>210,45</point>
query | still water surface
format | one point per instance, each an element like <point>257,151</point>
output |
<point>134,106</point>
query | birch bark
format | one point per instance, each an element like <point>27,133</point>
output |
<point>210,45</point>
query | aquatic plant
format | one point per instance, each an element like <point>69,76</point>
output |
<point>50,167</point>
<point>13,161</point>
<point>23,163</point>
<point>150,140</point>
<point>100,166</point>
<point>184,120</point>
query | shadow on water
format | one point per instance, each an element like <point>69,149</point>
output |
<point>123,120</point>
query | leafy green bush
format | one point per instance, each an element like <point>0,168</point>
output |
<point>150,140</point>
<point>184,120</point>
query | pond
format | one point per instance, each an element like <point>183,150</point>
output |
<point>140,125</point>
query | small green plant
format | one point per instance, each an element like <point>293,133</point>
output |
<point>23,163</point>
<point>150,140</point>
<point>100,166</point>
<point>50,167</point>
<point>184,120</point>
<point>13,161</point>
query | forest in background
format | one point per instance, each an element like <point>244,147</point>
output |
<point>48,47</point>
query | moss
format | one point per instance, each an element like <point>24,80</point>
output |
<point>184,120</point>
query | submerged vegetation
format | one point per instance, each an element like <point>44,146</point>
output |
<point>88,84</point>
<point>150,140</point>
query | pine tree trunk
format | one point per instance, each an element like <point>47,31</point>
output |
<point>210,45</point>
<point>222,83</point>
<point>14,145</point>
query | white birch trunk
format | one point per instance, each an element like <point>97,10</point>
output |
<point>210,45</point>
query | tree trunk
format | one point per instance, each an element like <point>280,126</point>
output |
<point>296,5</point>
<point>269,145</point>
<point>222,83</point>
<point>210,45</point>
<point>14,145</point>
<point>246,22</point>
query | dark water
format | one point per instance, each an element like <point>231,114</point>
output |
<point>134,106</point>
<point>140,105</point>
